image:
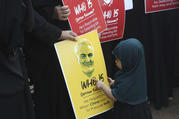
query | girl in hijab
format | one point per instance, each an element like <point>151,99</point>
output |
<point>128,89</point>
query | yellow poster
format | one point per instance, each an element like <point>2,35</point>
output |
<point>81,61</point>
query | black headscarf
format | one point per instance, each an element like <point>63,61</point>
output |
<point>130,82</point>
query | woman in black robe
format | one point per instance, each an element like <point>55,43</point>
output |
<point>50,97</point>
<point>15,99</point>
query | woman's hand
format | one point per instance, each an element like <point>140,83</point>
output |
<point>61,12</point>
<point>68,35</point>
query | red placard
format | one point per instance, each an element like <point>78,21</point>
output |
<point>114,15</point>
<point>86,15</point>
<point>160,5</point>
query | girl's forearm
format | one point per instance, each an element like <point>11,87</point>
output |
<point>108,92</point>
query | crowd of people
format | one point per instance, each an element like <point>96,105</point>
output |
<point>28,30</point>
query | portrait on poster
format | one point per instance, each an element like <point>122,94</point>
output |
<point>81,61</point>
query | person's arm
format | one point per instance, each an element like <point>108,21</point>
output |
<point>45,8</point>
<point>44,30</point>
<point>52,10</point>
<point>48,32</point>
<point>101,85</point>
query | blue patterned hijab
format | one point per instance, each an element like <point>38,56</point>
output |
<point>130,82</point>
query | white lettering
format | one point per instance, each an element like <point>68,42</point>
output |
<point>90,4</point>
<point>107,14</point>
<point>80,8</point>
<point>116,13</point>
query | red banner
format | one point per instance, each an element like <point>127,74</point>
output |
<point>86,15</point>
<point>114,15</point>
<point>160,5</point>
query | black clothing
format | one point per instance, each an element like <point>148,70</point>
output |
<point>158,32</point>
<point>126,111</point>
<point>130,87</point>
<point>51,97</point>
<point>130,82</point>
<point>15,99</point>
<point>44,31</point>
<point>16,18</point>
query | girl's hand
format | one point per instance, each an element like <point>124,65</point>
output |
<point>99,84</point>
<point>111,82</point>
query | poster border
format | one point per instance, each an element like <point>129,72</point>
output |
<point>66,80</point>
<point>157,10</point>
